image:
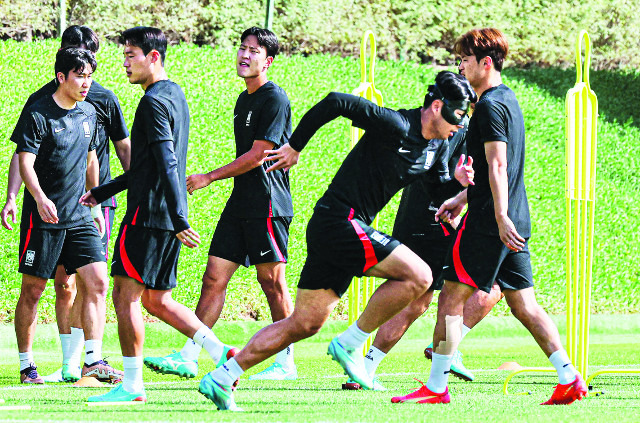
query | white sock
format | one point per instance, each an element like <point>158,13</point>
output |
<point>440,366</point>
<point>207,340</point>
<point>465,331</point>
<point>92,350</point>
<point>75,347</point>
<point>353,337</point>
<point>65,342</point>
<point>132,381</point>
<point>285,358</point>
<point>566,372</point>
<point>372,360</point>
<point>26,358</point>
<point>191,350</point>
<point>228,373</point>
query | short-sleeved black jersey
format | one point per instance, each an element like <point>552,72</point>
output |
<point>422,198</point>
<point>497,117</point>
<point>111,124</point>
<point>60,139</point>
<point>262,115</point>
<point>157,192</point>
<point>389,156</point>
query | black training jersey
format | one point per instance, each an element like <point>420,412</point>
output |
<point>60,139</point>
<point>262,115</point>
<point>497,117</point>
<point>111,124</point>
<point>422,198</point>
<point>389,156</point>
<point>157,192</point>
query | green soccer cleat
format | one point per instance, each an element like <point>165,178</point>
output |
<point>276,372</point>
<point>173,364</point>
<point>352,361</point>
<point>221,395</point>
<point>118,394</point>
<point>71,373</point>
<point>457,367</point>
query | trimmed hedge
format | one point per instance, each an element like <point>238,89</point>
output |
<point>541,32</point>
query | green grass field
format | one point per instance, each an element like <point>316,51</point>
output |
<point>211,87</point>
<point>316,396</point>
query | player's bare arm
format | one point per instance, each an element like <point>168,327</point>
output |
<point>46,209</point>
<point>13,187</point>
<point>464,173</point>
<point>496,153</point>
<point>285,158</point>
<point>123,151</point>
<point>451,209</point>
<point>243,164</point>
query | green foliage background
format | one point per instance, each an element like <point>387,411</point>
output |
<point>208,78</point>
<point>540,31</point>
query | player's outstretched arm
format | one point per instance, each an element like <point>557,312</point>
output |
<point>243,164</point>
<point>46,209</point>
<point>13,187</point>
<point>123,151</point>
<point>452,208</point>
<point>496,152</point>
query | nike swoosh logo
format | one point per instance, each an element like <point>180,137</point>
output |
<point>235,116</point>
<point>402,150</point>
<point>415,400</point>
<point>58,130</point>
<point>263,253</point>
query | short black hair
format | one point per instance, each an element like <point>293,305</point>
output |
<point>82,37</point>
<point>266,39</point>
<point>74,59</point>
<point>450,86</point>
<point>147,38</point>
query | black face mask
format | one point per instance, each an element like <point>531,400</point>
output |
<point>450,106</point>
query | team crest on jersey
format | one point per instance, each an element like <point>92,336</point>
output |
<point>28,259</point>
<point>248,119</point>
<point>87,130</point>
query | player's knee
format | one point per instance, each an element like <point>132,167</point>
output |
<point>306,328</point>
<point>153,304</point>
<point>212,282</point>
<point>420,280</point>
<point>31,293</point>
<point>98,286</point>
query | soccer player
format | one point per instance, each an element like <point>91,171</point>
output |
<point>144,264</point>
<point>396,147</point>
<point>111,125</point>
<point>415,226</point>
<point>492,243</point>
<point>55,151</point>
<point>254,226</point>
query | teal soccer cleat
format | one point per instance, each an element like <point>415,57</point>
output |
<point>173,364</point>
<point>221,395</point>
<point>352,361</point>
<point>118,394</point>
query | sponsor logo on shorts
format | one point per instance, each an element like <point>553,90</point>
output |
<point>403,150</point>
<point>87,130</point>
<point>28,260</point>
<point>248,119</point>
<point>59,130</point>
<point>262,253</point>
<point>377,236</point>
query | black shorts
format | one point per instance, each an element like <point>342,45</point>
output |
<point>251,241</point>
<point>478,260</point>
<point>339,248</point>
<point>41,250</point>
<point>431,247</point>
<point>147,255</point>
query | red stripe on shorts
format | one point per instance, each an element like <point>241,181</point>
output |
<point>126,263</point>
<point>135,216</point>
<point>273,237</point>
<point>369,253</point>
<point>444,229</point>
<point>462,274</point>
<point>26,242</point>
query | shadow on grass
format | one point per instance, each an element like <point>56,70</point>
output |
<point>617,91</point>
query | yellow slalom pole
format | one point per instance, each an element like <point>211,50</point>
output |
<point>361,289</point>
